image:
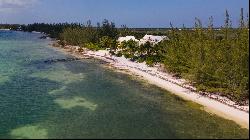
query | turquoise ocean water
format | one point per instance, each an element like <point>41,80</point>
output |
<point>83,99</point>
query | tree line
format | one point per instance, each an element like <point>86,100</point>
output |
<point>214,60</point>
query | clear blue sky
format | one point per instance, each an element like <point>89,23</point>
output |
<point>133,13</point>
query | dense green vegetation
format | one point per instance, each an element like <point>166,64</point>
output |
<point>53,30</point>
<point>100,37</point>
<point>215,60</point>
<point>9,26</point>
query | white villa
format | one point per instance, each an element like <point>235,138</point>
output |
<point>147,38</point>
<point>127,38</point>
<point>152,39</point>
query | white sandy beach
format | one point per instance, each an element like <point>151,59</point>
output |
<point>218,105</point>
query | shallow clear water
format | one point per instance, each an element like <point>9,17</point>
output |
<point>82,99</point>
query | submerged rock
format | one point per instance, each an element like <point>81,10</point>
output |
<point>61,60</point>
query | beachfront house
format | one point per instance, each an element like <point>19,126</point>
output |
<point>152,39</point>
<point>127,38</point>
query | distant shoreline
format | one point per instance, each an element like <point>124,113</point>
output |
<point>212,103</point>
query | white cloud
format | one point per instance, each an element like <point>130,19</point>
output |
<point>11,5</point>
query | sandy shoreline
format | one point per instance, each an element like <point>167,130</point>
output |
<point>216,104</point>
